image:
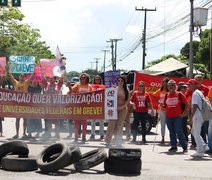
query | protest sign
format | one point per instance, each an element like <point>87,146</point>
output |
<point>52,67</point>
<point>111,78</point>
<point>21,64</point>
<point>2,66</point>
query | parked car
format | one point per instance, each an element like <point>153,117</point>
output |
<point>151,122</point>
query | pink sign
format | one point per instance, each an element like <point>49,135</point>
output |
<point>2,66</point>
<point>52,67</point>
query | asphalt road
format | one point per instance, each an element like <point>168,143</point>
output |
<point>157,163</point>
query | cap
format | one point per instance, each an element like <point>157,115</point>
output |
<point>171,82</point>
<point>192,81</point>
<point>182,84</point>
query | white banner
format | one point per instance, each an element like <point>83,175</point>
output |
<point>111,103</point>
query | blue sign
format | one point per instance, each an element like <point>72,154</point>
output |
<point>22,64</point>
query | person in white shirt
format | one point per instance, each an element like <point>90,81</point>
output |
<point>196,118</point>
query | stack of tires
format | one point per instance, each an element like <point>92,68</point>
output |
<point>14,157</point>
<point>123,161</point>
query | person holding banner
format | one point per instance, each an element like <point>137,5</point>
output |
<point>34,125</point>
<point>82,87</point>
<point>142,102</point>
<point>20,86</point>
<point>52,86</point>
<point>115,127</point>
<point>159,96</point>
<point>97,85</point>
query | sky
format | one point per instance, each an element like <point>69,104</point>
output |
<point>83,29</point>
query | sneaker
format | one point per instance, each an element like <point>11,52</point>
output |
<point>15,137</point>
<point>206,148</point>
<point>144,141</point>
<point>133,141</point>
<point>173,149</point>
<point>208,152</point>
<point>197,155</point>
<point>128,137</point>
<point>193,146</point>
<point>83,139</point>
<point>92,137</point>
<point>185,150</point>
<point>102,137</point>
<point>162,141</point>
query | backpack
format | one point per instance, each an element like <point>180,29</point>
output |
<point>206,108</point>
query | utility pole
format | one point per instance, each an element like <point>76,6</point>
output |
<point>105,51</point>
<point>91,64</point>
<point>191,29</point>
<point>144,33</point>
<point>114,52</point>
<point>97,59</point>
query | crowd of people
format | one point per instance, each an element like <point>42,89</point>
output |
<point>179,107</point>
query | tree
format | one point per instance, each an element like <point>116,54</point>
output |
<point>17,38</point>
<point>203,53</point>
<point>185,50</point>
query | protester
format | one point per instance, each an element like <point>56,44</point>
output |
<point>210,125</point>
<point>81,87</point>
<point>159,96</point>
<point>142,103</point>
<point>52,86</point>
<point>196,118</point>
<point>97,85</point>
<point>115,127</point>
<point>182,88</point>
<point>70,121</point>
<point>204,89</point>
<point>34,125</point>
<point>173,103</point>
<point>20,86</point>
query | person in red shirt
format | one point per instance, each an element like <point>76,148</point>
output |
<point>142,102</point>
<point>174,115</point>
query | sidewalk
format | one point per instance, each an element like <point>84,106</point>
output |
<point>157,162</point>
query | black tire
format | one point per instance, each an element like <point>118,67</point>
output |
<point>15,163</point>
<point>46,164</point>
<point>14,147</point>
<point>91,159</point>
<point>123,153</point>
<point>123,166</point>
<point>149,122</point>
<point>75,156</point>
